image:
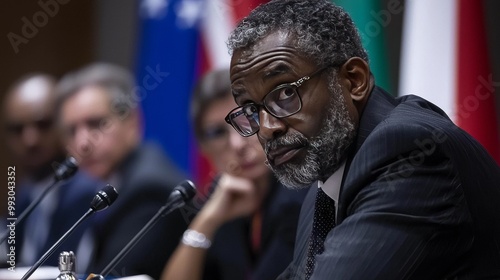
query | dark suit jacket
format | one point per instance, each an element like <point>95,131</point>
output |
<point>231,256</point>
<point>147,179</point>
<point>420,199</point>
<point>74,197</point>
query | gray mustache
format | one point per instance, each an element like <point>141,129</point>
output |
<point>286,140</point>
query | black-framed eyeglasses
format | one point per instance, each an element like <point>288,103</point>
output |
<point>283,101</point>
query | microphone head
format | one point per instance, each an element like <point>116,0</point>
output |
<point>104,198</point>
<point>67,169</point>
<point>93,276</point>
<point>187,190</point>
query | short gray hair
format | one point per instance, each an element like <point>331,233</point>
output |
<point>117,81</point>
<point>323,31</point>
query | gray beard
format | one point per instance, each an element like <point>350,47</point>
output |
<point>324,152</point>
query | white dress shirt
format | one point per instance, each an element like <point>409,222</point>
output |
<point>332,186</point>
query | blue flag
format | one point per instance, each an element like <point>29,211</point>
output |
<point>166,72</point>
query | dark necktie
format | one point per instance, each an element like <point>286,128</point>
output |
<point>323,222</point>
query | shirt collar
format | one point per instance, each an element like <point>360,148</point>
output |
<point>332,185</point>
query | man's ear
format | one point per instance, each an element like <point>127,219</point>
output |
<point>356,76</point>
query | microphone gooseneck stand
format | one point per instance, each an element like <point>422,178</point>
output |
<point>181,194</point>
<point>101,201</point>
<point>56,245</point>
<point>66,170</point>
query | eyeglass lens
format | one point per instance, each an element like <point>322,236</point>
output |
<point>281,102</point>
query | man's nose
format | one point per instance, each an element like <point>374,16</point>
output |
<point>270,126</point>
<point>82,141</point>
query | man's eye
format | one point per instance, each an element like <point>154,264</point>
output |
<point>14,128</point>
<point>94,124</point>
<point>286,93</point>
<point>98,123</point>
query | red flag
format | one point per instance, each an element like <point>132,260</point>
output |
<point>476,94</point>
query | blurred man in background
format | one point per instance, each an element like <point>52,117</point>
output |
<point>29,124</point>
<point>36,150</point>
<point>101,121</point>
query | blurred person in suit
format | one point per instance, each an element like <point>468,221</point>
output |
<point>397,190</point>
<point>100,117</point>
<point>36,150</point>
<point>249,218</point>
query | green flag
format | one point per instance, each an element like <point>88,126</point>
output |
<point>371,20</point>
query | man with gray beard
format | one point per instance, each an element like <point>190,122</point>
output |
<point>325,151</point>
<point>397,191</point>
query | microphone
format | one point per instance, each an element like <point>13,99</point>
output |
<point>64,171</point>
<point>102,200</point>
<point>181,194</point>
